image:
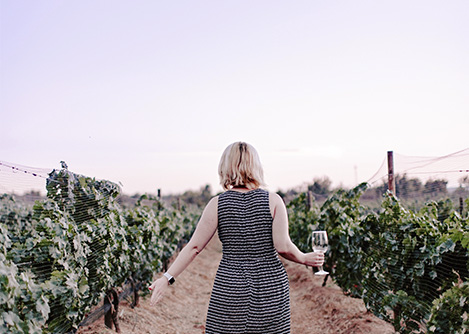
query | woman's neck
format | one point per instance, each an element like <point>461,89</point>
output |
<point>239,187</point>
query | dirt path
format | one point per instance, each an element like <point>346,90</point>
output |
<point>314,309</point>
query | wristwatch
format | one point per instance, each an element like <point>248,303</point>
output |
<point>170,278</point>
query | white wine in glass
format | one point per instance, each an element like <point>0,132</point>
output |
<point>320,245</point>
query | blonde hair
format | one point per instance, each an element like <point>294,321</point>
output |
<point>240,166</point>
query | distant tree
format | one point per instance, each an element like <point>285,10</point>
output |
<point>321,186</point>
<point>435,187</point>
<point>34,193</point>
<point>199,198</point>
<point>408,187</point>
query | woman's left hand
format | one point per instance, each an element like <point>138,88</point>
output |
<point>158,289</point>
<point>314,259</point>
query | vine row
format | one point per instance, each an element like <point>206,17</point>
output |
<point>410,268</point>
<point>60,257</point>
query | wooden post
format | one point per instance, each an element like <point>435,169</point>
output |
<point>159,199</point>
<point>309,200</point>
<point>112,299</point>
<point>134,293</point>
<point>391,180</point>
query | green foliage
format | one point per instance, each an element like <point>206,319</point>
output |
<point>406,257</point>
<point>450,312</point>
<point>24,306</point>
<point>154,234</point>
<point>60,257</point>
<point>403,264</point>
<point>341,216</point>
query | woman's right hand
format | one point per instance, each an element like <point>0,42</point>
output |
<point>158,289</point>
<point>314,259</point>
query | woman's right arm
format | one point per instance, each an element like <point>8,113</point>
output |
<point>203,233</point>
<point>281,236</point>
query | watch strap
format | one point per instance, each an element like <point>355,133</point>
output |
<point>170,278</point>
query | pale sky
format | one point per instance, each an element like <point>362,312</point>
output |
<point>149,93</point>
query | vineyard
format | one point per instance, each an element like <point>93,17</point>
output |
<point>61,256</point>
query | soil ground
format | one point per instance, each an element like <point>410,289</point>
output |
<point>314,309</point>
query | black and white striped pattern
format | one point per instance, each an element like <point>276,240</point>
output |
<point>251,292</point>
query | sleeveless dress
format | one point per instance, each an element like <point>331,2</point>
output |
<point>250,293</point>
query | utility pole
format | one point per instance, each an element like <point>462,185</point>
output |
<point>391,180</point>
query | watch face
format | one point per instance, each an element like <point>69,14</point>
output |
<point>171,280</point>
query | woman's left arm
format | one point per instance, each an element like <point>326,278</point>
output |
<point>281,237</point>
<point>204,232</point>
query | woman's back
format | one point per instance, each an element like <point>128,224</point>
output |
<point>250,292</point>
<point>245,224</point>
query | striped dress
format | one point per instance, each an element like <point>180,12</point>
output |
<point>250,293</point>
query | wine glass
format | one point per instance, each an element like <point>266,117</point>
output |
<point>320,244</point>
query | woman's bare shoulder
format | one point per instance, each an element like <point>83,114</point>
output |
<point>212,204</point>
<point>276,204</point>
<point>275,198</point>
<point>213,200</point>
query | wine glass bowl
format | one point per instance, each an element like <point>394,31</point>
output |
<point>320,245</point>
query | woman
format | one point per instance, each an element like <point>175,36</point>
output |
<point>251,292</point>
